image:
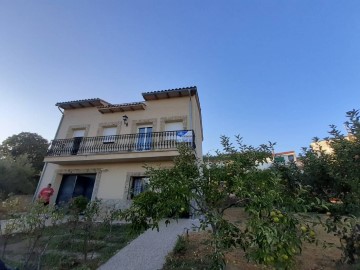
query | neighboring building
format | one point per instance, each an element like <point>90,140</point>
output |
<point>100,149</point>
<point>285,157</point>
<point>325,145</point>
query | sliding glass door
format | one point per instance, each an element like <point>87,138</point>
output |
<point>74,185</point>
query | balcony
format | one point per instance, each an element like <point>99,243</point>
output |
<point>127,147</point>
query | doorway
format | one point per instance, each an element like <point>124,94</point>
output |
<point>75,185</point>
<point>144,138</point>
<point>78,135</point>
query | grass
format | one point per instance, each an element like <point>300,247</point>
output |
<point>66,248</point>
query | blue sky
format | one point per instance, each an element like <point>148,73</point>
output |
<point>278,71</point>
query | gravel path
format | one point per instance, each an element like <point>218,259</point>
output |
<point>148,251</point>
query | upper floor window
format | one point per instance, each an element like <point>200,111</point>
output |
<point>109,134</point>
<point>78,133</point>
<point>171,128</point>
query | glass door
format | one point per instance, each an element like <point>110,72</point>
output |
<point>78,135</point>
<point>75,185</point>
<point>144,138</point>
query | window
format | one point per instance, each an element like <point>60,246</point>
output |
<point>170,130</point>
<point>279,159</point>
<point>291,158</point>
<point>78,133</point>
<point>139,185</point>
<point>144,138</point>
<point>172,126</point>
<point>109,134</point>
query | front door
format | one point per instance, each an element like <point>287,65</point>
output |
<point>75,185</point>
<point>144,138</point>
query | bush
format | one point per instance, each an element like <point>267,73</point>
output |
<point>181,245</point>
<point>78,204</point>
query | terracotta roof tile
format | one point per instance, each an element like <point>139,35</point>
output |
<point>170,93</point>
<point>82,103</point>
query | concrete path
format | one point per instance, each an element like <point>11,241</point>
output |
<point>148,251</point>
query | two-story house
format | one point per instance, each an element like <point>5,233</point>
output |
<point>100,148</point>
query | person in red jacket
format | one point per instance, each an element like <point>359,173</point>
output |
<point>45,194</point>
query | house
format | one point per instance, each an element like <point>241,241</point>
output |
<point>325,145</point>
<point>284,157</point>
<point>100,148</point>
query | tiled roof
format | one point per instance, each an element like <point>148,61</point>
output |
<point>133,106</point>
<point>170,93</point>
<point>122,105</point>
<point>82,103</point>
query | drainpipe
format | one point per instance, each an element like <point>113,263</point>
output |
<point>190,112</point>
<point>45,165</point>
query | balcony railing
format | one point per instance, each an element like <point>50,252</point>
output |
<point>122,143</point>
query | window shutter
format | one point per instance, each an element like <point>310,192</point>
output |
<point>109,133</point>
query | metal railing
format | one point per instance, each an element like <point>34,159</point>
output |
<point>122,143</point>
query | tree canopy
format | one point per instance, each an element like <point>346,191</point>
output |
<point>16,176</point>
<point>276,200</point>
<point>30,144</point>
<point>271,235</point>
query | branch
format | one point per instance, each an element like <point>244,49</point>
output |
<point>233,204</point>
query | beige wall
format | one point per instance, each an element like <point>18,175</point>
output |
<point>323,146</point>
<point>93,120</point>
<point>112,181</point>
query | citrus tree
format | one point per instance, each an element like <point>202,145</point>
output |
<point>335,176</point>
<point>272,233</point>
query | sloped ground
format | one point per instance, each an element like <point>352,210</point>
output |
<point>65,249</point>
<point>312,258</point>
<point>23,202</point>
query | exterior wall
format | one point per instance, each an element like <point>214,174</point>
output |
<point>112,183</point>
<point>323,146</point>
<point>155,113</point>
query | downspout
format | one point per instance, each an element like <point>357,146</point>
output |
<point>190,112</point>
<point>191,119</point>
<point>45,165</point>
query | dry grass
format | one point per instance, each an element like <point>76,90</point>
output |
<point>312,258</point>
<point>23,203</point>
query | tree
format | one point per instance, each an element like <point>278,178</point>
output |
<point>336,174</point>
<point>16,176</point>
<point>26,143</point>
<point>273,233</point>
<point>345,162</point>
